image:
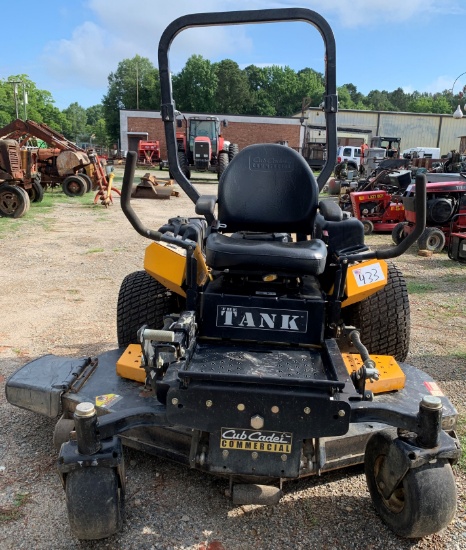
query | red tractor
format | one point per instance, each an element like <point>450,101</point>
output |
<point>445,216</point>
<point>378,205</point>
<point>202,147</point>
<point>149,152</point>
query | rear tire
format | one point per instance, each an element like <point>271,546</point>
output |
<point>432,239</point>
<point>184,165</point>
<point>95,502</point>
<point>398,234</point>
<point>14,201</point>
<point>368,227</point>
<point>74,186</point>
<point>88,181</point>
<point>223,162</point>
<point>233,150</point>
<point>36,192</point>
<point>142,301</point>
<point>383,319</point>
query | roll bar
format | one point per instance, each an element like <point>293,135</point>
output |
<point>126,188</point>
<point>330,104</point>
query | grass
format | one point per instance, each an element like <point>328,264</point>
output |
<point>12,512</point>
<point>94,250</point>
<point>416,287</point>
<point>37,211</point>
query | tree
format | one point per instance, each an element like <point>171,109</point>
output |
<point>94,113</point>
<point>134,85</point>
<point>310,85</point>
<point>40,104</point>
<point>232,95</point>
<point>379,101</point>
<point>195,86</point>
<point>99,130</point>
<point>77,119</point>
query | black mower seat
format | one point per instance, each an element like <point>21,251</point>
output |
<point>267,188</point>
<point>303,257</point>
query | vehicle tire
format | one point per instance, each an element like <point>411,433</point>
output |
<point>95,502</point>
<point>383,319</point>
<point>398,234</point>
<point>36,192</point>
<point>143,301</point>
<point>74,186</point>
<point>61,432</point>
<point>432,239</point>
<point>425,500</point>
<point>184,165</point>
<point>368,227</point>
<point>223,162</point>
<point>233,150</point>
<point>88,181</point>
<point>14,201</point>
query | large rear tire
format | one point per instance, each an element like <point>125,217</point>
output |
<point>184,165</point>
<point>95,502</point>
<point>36,192</point>
<point>223,162</point>
<point>383,319</point>
<point>142,301</point>
<point>74,186</point>
<point>423,503</point>
<point>233,150</point>
<point>88,181</point>
<point>14,201</point>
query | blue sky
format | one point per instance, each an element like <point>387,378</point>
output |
<point>70,47</point>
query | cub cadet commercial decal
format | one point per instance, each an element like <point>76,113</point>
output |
<point>256,440</point>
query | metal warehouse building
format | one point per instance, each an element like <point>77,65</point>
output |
<point>354,127</point>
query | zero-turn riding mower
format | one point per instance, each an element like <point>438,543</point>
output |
<point>262,343</point>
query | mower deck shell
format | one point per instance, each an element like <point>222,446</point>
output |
<point>53,385</point>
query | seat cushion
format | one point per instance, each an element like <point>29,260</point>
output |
<point>300,258</point>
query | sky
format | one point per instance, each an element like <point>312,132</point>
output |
<point>69,47</point>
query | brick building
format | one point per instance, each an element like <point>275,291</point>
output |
<point>354,128</point>
<point>243,130</point>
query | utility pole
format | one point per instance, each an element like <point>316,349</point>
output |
<point>25,96</point>
<point>137,88</point>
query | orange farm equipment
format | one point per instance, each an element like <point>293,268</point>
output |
<point>149,152</point>
<point>77,170</point>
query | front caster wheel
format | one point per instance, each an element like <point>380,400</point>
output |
<point>95,502</point>
<point>423,503</point>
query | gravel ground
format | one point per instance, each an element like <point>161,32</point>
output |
<point>61,270</point>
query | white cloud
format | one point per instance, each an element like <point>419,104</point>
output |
<point>124,30</point>
<point>364,13</point>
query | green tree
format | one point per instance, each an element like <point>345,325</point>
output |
<point>99,130</point>
<point>40,104</point>
<point>195,86</point>
<point>232,95</point>
<point>77,119</point>
<point>310,85</point>
<point>134,85</point>
<point>94,113</point>
<point>379,101</point>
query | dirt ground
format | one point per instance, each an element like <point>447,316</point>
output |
<point>61,270</point>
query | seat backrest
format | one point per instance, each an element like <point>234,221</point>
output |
<point>268,187</point>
